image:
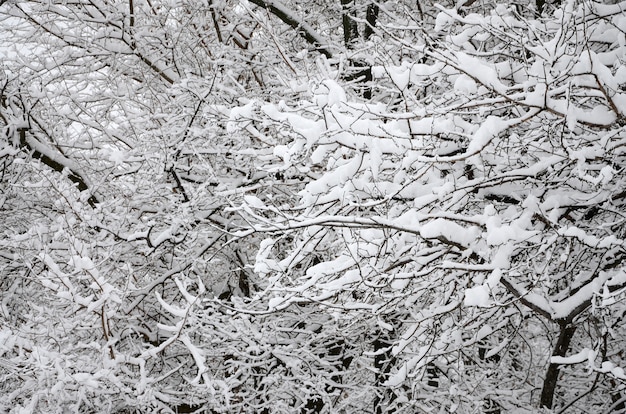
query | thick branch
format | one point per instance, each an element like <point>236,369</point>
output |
<point>527,299</point>
<point>287,16</point>
<point>57,162</point>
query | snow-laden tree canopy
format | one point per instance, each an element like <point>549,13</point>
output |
<point>263,206</point>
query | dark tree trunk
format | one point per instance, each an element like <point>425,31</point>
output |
<point>371,17</point>
<point>432,375</point>
<point>383,361</point>
<point>350,28</point>
<point>552,375</point>
<point>541,4</point>
<point>335,354</point>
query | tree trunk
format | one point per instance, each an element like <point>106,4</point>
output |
<point>552,375</point>
<point>350,28</point>
<point>383,361</point>
<point>371,17</point>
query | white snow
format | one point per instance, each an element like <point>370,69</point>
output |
<point>488,130</point>
<point>477,296</point>
<point>254,202</point>
<point>329,93</point>
<point>277,303</point>
<point>581,356</point>
<point>464,85</point>
<point>483,72</point>
<point>449,231</point>
<point>444,20</point>
<point>174,310</point>
<point>400,75</point>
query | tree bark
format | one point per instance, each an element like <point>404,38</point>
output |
<point>383,361</point>
<point>552,375</point>
<point>371,17</point>
<point>350,28</point>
